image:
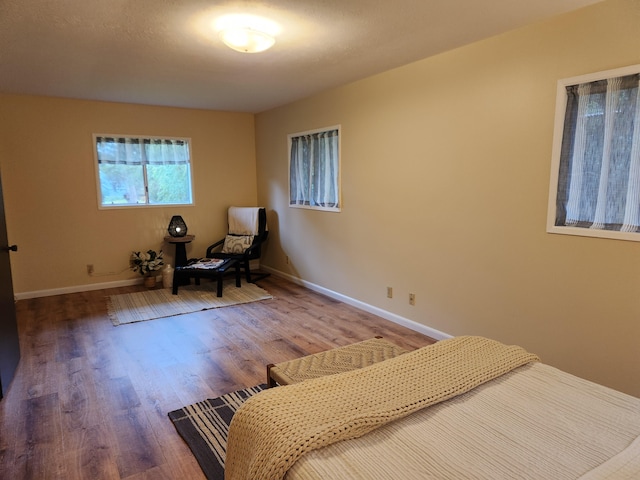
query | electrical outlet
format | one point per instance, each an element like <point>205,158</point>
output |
<point>286,259</point>
<point>412,299</point>
<point>389,292</point>
<point>89,269</point>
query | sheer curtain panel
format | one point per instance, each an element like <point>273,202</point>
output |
<point>141,151</point>
<point>314,166</point>
<point>599,171</point>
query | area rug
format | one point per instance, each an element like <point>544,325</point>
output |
<point>205,428</point>
<point>159,303</point>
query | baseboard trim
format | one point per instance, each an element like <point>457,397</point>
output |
<point>405,322</point>
<point>78,288</point>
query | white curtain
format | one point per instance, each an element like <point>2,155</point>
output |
<point>141,151</point>
<point>314,170</point>
<point>577,170</point>
<point>599,185</point>
<point>632,207</point>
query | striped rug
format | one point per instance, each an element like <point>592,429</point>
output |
<point>205,427</point>
<point>159,303</point>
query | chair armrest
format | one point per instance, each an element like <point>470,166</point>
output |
<point>214,246</point>
<point>250,250</point>
<point>257,244</point>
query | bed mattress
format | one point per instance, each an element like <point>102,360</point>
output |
<point>535,422</point>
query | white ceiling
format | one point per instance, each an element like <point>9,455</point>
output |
<point>163,52</point>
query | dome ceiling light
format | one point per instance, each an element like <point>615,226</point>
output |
<point>247,33</point>
<point>247,40</point>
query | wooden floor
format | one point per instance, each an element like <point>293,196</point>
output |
<point>90,400</point>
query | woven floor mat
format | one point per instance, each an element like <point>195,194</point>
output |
<point>205,427</point>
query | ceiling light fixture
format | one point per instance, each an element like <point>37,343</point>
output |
<point>247,40</point>
<point>247,33</point>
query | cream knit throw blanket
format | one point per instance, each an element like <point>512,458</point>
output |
<point>275,427</point>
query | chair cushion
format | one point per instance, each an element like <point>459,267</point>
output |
<point>237,244</point>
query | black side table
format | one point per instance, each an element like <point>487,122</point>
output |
<point>181,249</point>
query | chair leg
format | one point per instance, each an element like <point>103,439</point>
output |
<point>247,271</point>
<point>238,276</point>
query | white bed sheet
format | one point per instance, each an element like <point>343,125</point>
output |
<point>536,422</point>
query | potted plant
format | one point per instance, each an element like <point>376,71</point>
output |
<point>146,263</point>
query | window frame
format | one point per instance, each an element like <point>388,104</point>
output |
<point>558,134</point>
<point>102,206</point>
<point>290,138</point>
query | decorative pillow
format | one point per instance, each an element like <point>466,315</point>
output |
<point>237,243</point>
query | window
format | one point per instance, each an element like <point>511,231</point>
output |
<point>314,169</point>
<point>137,171</point>
<point>595,184</point>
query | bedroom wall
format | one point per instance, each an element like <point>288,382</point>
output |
<point>49,179</point>
<point>445,178</point>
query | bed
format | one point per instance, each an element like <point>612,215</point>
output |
<point>467,407</point>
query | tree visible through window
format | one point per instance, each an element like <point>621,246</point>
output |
<point>135,171</point>
<point>314,169</point>
<point>597,156</point>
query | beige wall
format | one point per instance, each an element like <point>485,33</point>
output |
<point>49,179</point>
<point>445,177</point>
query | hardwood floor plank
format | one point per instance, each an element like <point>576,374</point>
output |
<point>90,400</point>
<point>95,457</point>
<point>138,451</point>
<point>80,403</point>
<point>41,454</point>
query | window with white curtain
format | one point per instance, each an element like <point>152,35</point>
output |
<point>595,178</point>
<point>143,171</point>
<point>314,169</point>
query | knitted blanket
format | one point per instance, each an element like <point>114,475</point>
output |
<point>275,427</point>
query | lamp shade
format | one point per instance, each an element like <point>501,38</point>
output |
<point>177,227</point>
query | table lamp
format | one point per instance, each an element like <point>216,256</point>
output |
<point>177,227</point>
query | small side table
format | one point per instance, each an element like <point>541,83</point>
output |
<point>182,275</point>
<point>181,249</point>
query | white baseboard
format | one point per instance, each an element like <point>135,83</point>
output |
<point>405,322</point>
<point>79,288</point>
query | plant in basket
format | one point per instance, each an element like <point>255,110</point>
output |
<point>145,263</point>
